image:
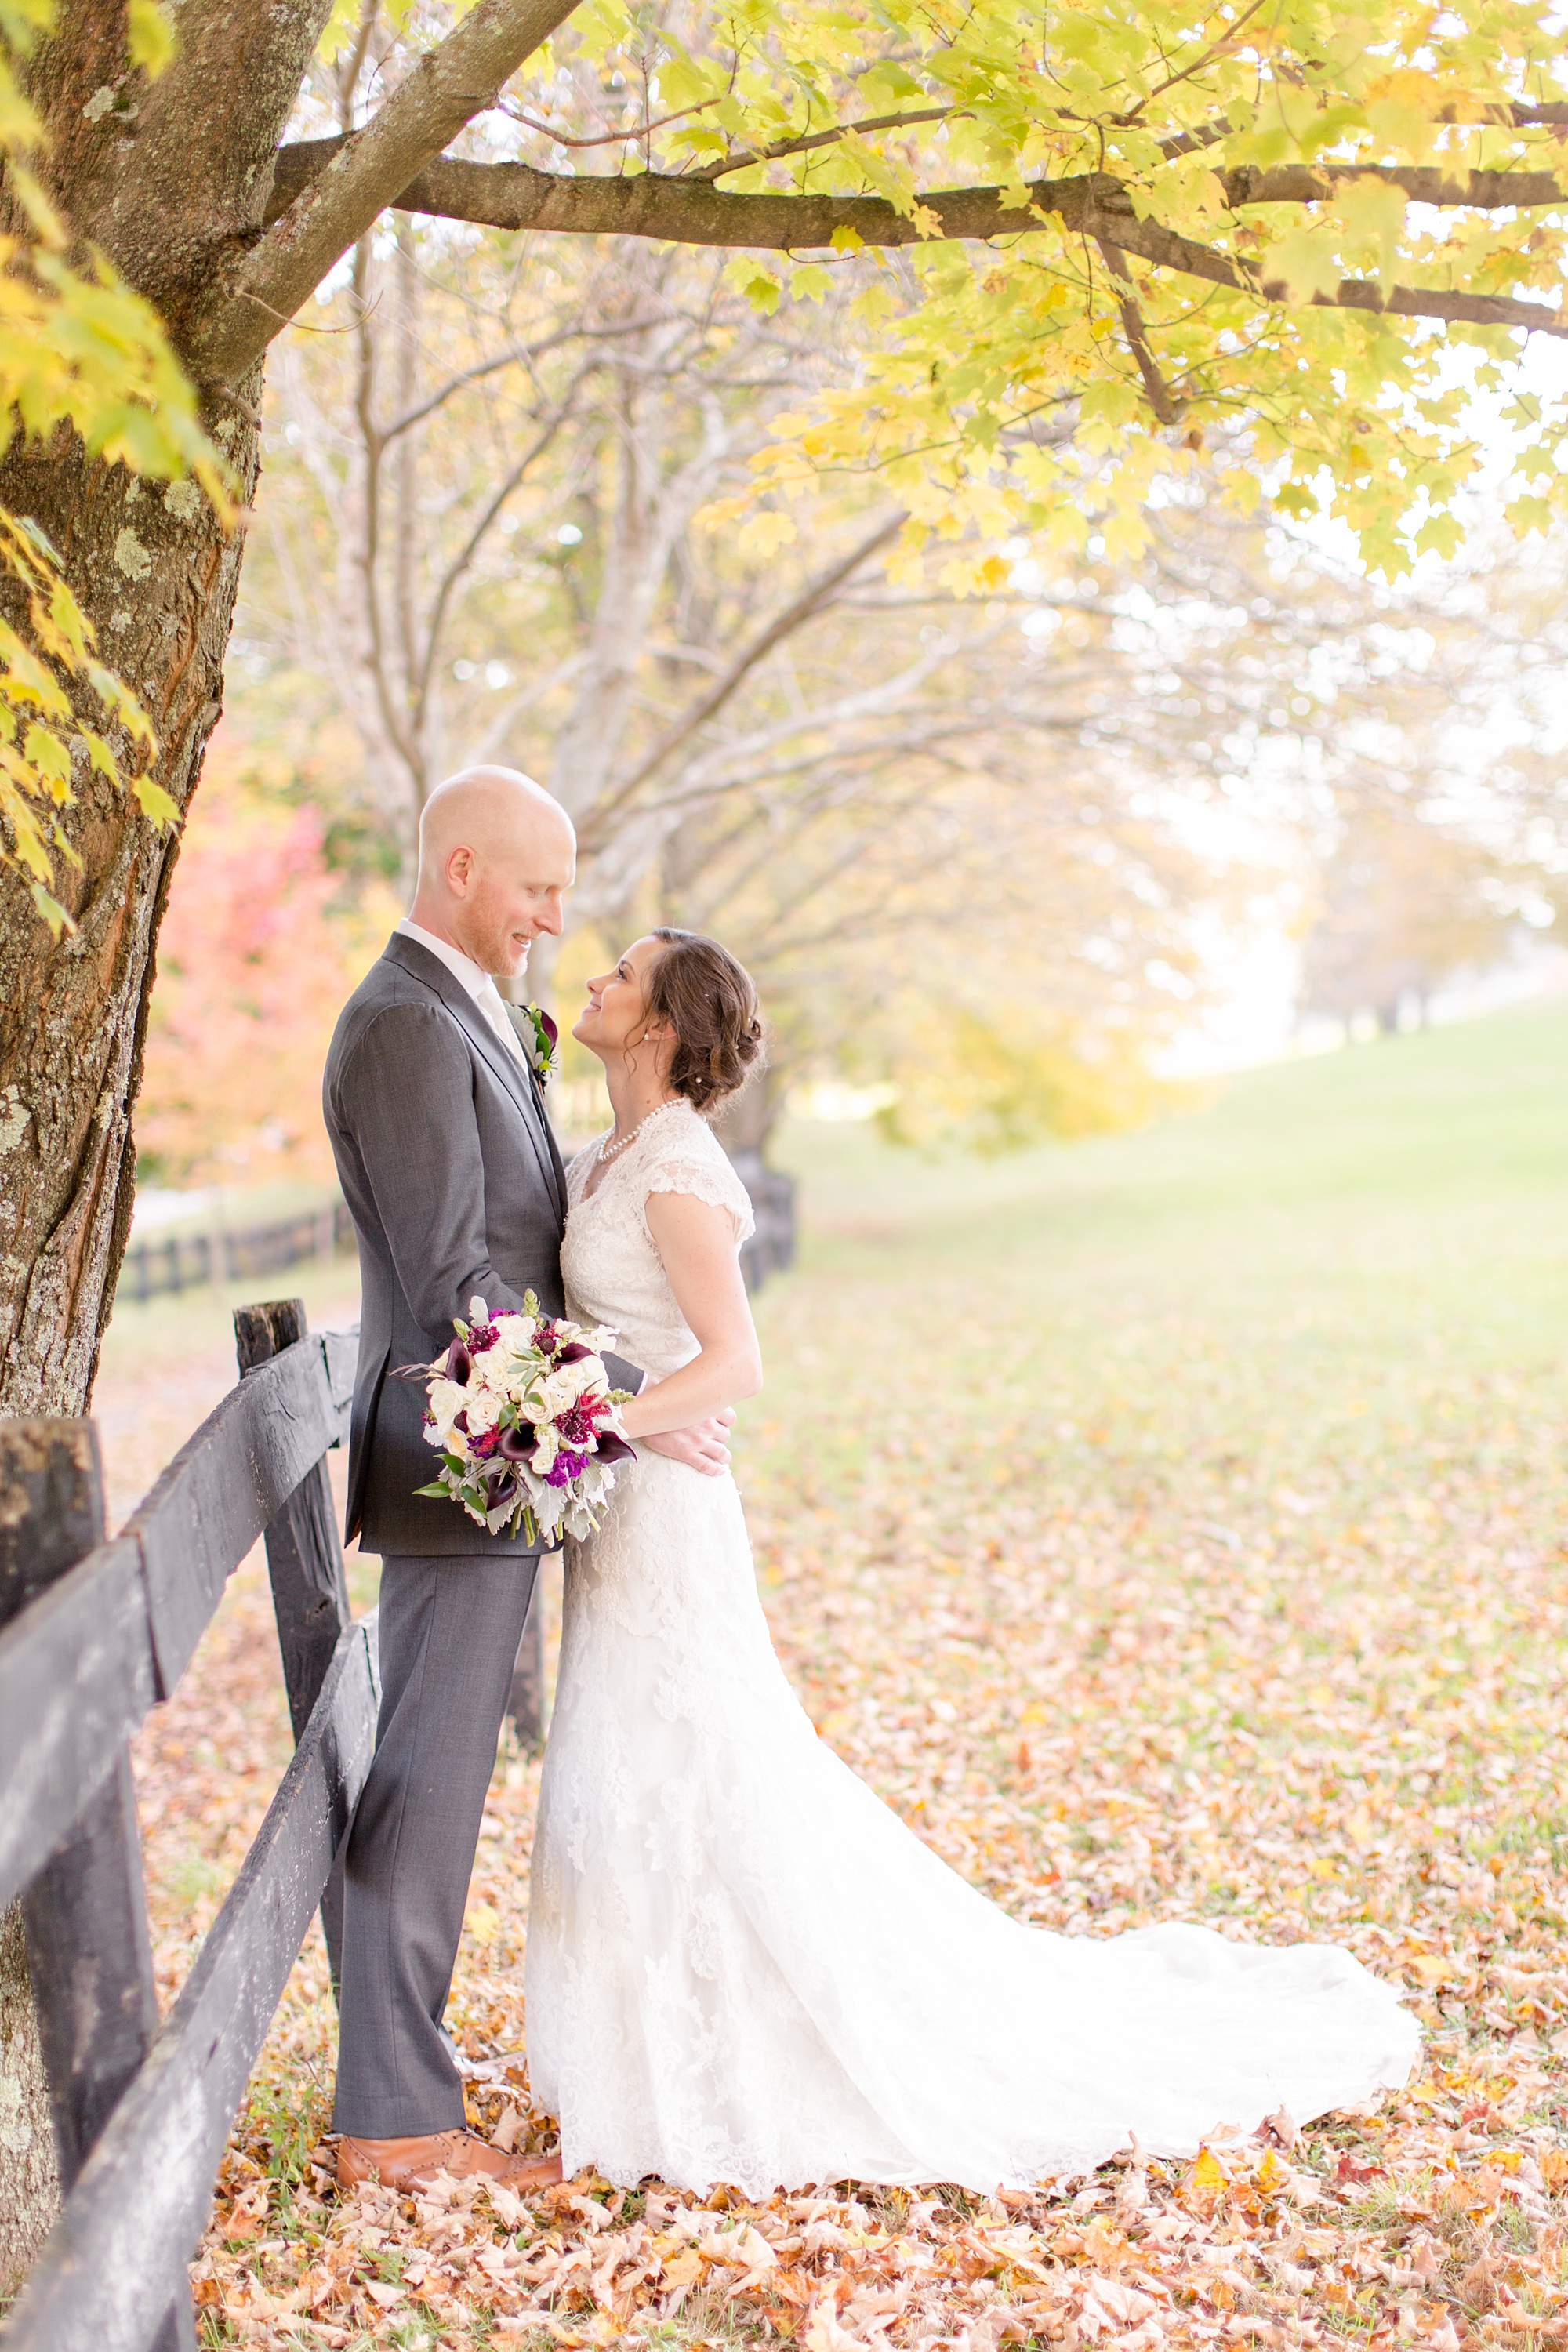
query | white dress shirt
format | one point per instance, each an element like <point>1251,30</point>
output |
<point>480,984</point>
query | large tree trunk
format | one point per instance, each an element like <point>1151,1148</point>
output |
<point>158,574</point>
<point>174,181</point>
<point>29,2182</point>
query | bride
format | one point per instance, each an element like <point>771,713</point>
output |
<point>741,1966</point>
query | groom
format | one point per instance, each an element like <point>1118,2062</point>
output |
<point>455,1184</point>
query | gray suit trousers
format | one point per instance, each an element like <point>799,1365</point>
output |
<point>449,1632</point>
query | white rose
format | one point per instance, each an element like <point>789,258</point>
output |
<point>446,1402</point>
<point>564,1386</point>
<point>491,1373</point>
<point>557,1390</point>
<point>483,1410</point>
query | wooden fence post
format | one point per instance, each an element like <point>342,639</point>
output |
<point>305,1562</point>
<point>90,1954</point>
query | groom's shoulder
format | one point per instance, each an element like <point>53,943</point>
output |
<point>393,993</point>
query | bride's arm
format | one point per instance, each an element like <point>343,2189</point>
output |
<point>696,1242</point>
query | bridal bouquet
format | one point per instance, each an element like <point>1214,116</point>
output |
<point>528,1425</point>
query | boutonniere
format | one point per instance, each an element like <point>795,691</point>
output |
<point>539,1041</point>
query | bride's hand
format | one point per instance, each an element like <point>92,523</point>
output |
<point>700,1447</point>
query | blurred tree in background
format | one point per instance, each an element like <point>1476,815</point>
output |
<point>259,948</point>
<point>495,528</point>
<point>1405,906</point>
<point>1080,270</point>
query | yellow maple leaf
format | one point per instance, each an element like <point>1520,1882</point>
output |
<point>483,1923</point>
<point>764,534</point>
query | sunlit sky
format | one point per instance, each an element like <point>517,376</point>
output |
<point>1253,1018</point>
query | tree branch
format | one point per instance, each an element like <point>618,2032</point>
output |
<point>448,86</point>
<point>514,355</point>
<point>810,139</point>
<point>690,211</point>
<point>1161,400</point>
<point>682,209</point>
<point>783,625</point>
<point>463,558</point>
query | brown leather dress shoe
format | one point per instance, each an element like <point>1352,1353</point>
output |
<point>411,2163</point>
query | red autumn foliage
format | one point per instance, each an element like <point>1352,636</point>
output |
<point>256,957</point>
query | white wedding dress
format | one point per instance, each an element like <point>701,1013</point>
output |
<point>741,1966</point>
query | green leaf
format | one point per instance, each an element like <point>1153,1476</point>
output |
<point>155,802</point>
<point>1529,514</point>
<point>152,36</point>
<point>46,753</point>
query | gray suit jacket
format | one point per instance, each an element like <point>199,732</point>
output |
<point>455,1185</point>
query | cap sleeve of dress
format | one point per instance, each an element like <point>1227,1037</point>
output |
<point>688,1157</point>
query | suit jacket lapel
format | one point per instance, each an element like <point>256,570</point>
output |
<point>537,1085</point>
<point>516,1076</point>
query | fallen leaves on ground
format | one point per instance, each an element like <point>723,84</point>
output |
<point>1226,1584</point>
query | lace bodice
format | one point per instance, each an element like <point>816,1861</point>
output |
<point>611,1268</point>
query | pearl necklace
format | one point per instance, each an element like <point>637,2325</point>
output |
<point>612,1149</point>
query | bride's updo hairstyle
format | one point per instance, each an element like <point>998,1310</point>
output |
<point>709,1001</point>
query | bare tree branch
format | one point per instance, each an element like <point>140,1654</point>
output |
<point>368,548</point>
<point>808,140</point>
<point>435,623</point>
<point>691,211</point>
<point>608,138</point>
<point>781,626</point>
<point>1166,407</point>
<point>445,90</point>
<point>514,355</point>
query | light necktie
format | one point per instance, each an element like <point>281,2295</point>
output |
<point>495,1013</point>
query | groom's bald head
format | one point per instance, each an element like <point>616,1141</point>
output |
<point>497,855</point>
<point>487,809</point>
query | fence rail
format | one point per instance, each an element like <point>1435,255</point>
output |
<point>771,1249</point>
<point>94,1635</point>
<point>223,1253</point>
<point>184,1261</point>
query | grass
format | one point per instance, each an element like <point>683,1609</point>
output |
<point>1172,1525</point>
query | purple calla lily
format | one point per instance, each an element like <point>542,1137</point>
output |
<point>493,1472</point>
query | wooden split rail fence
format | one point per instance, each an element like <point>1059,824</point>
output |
<point>92,1635</point>
<point>183,1261</point>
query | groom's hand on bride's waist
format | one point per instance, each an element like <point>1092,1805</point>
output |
<point>704,1447</point>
